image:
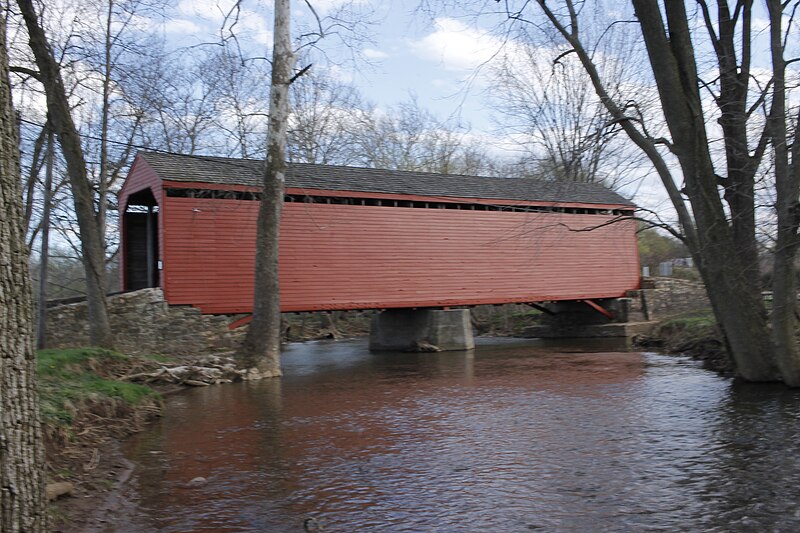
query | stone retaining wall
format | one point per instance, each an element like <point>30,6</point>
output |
<point>143,323</point>
<point>660,298</point>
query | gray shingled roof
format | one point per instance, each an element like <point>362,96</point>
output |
<point>220,170</point>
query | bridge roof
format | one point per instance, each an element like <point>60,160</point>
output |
<point>230,171</point>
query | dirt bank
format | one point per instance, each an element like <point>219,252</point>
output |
<point>694,334</point>
<point>86,411</point>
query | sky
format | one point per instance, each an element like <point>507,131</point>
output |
<point>410,53</point>
<point>439,59</point>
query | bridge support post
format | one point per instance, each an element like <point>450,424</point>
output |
<point>421,330</point>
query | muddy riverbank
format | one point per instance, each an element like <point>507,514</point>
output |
<point>694,334</point>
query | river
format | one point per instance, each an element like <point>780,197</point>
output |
<point>513,436</point>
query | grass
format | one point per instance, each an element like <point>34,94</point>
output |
<point>694,323</point>
<point>690,331</point>
<point>72,378</point>
<point>696,334</point>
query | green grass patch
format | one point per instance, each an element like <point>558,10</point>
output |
<point>696,334</point>
<point>685,331</point>
<point>72,378</point>
<point>701,320</point>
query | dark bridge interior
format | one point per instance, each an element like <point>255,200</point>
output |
<point>140,225</point>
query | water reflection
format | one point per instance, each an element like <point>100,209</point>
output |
<point>511,437</point>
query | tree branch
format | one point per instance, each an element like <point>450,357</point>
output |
<point>28,72</point>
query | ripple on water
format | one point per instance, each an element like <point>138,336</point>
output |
<point>512,437</point>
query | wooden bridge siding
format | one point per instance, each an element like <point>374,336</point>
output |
<point>396,257</point>
<point>358,257</point>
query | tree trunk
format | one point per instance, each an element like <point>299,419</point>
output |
<point>22,503</point>
<point>92,239</point>
<point>787,189</point>
<point>732,287</point>
<point>740,317</point>
<point>260,351</point>
<point>44,254</point>
<point>732,102</point>
<point>724,248</point>
<point>104,181</point>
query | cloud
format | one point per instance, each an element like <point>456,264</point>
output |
<point>182,27</point>
<point>371,53</point>
<point>324,7</point>
<point>211,10</point>
<point>205,18</point>
<point>339,73</point>
<point>457,46</point>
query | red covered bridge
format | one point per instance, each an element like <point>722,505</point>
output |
<point>356,238</point>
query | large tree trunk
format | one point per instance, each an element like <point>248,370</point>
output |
<point>22,504</point>
<point>733,104</point>
<point>787,207</point>
<point>729,277</point>
<point>91,236</point>
<point>260,351</point>
<point>739,314</point>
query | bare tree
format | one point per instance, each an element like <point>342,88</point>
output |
<point>725,249</point>
<point>260,351</point>
<point>112,57</point>
<point>177,104</point>
<point>551,111</point>
<point>236,94</point>
<point>44,249</point>
<point>721,237</point>
<point>409,137</point>
<point>324,122</point>
<point>22,502</point>
<point>91,236</point>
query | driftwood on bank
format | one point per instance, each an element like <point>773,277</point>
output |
<point>207,370</point>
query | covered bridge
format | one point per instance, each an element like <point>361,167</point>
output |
<point>357,238</point>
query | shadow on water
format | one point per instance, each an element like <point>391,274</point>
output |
<point>513,436</point>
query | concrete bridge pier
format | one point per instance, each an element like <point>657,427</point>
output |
<point>421,330</point>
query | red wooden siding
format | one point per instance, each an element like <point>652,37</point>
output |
<point>360,257</point>
<point>141,176</point>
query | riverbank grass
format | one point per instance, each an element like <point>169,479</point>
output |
<point>690,327</point>
<point>696,334</point>
<point>72,380</point>
<point>86,406</point>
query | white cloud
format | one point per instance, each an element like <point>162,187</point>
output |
<point>324,7</point>
<point>205,18</point>
<point>440,83</point>
<point>212,10</point>
<point>338,73</point>
<point>371,53</point>
<point>181,26</point>
<point>457,46</point>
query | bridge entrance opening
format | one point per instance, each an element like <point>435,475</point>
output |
<point>140,227</point>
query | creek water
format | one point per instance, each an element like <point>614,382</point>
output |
<point>513,436</point>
